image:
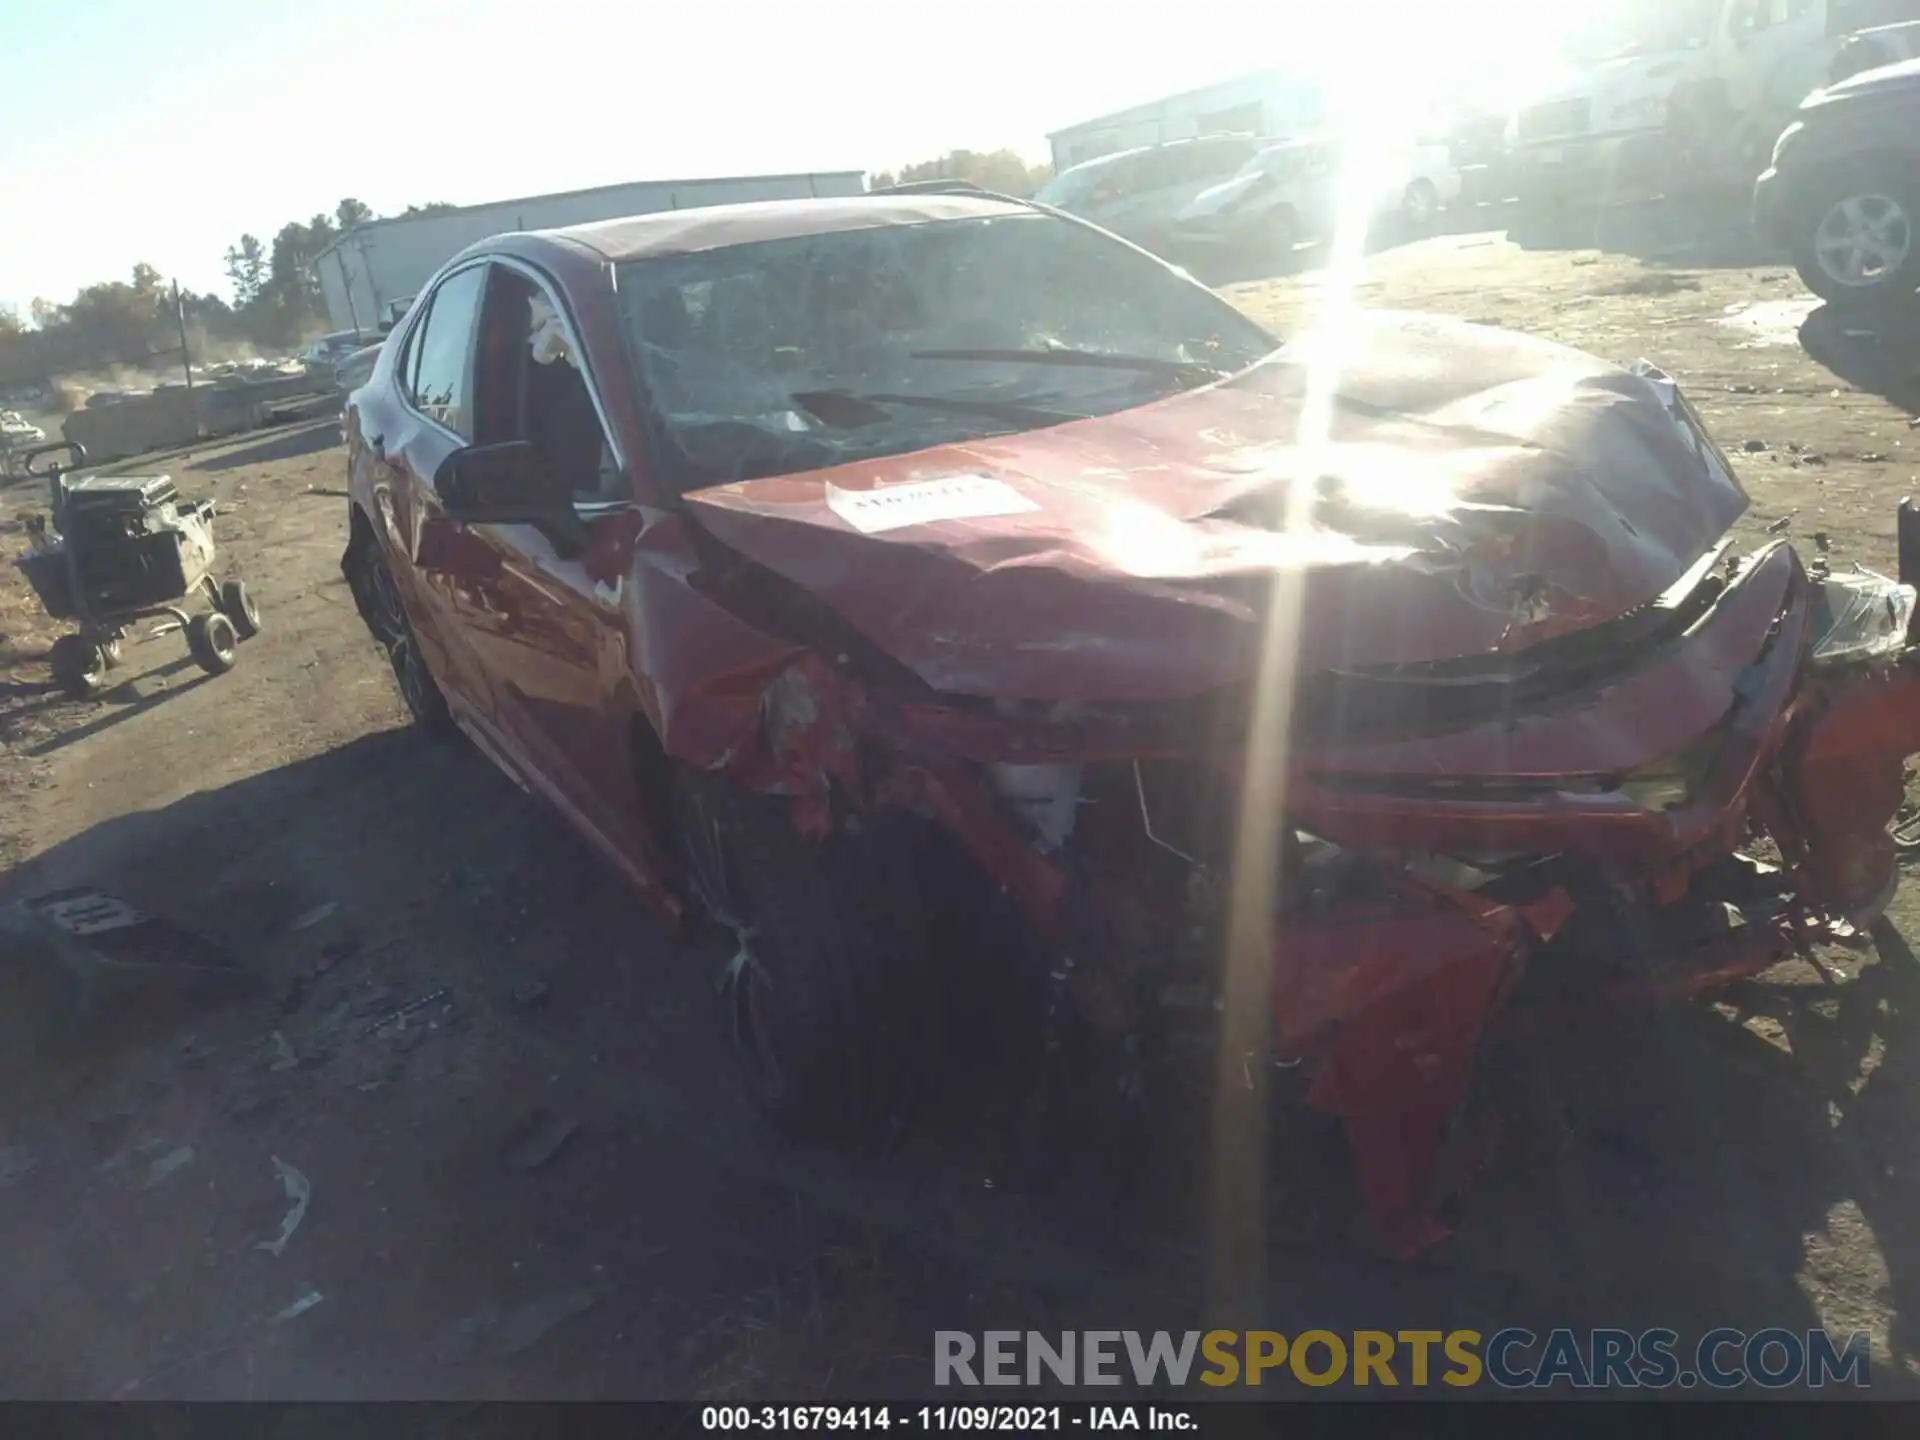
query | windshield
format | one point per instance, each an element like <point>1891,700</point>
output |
<point>818,350</point>
<point>1075,184</point>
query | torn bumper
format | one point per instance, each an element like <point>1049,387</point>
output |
<point>1391,1001</point>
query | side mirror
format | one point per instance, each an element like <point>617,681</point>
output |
<point>509,484</point>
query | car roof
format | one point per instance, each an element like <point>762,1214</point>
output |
<point>1114,157</point>
<point>714,227</point>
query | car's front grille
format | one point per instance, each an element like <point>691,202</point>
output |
<point>1555,120</point>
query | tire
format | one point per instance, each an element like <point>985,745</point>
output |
<point>1858,238</point>
<point>213,643</point>
<point>386,617</point>
<point>79,668</point>
<point>1419,208</point>
<point>832,997</point>
<point>237,605</point>
<point>1283,237</point>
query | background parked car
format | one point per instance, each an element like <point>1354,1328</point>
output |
<point>1843,191</point>
<point>354,371</point>
<point>323,356</point>
<point>1138,193</point>
<point>1290,193</point>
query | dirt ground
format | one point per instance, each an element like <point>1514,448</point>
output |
<point>435,983</point>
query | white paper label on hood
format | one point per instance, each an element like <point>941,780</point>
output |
<point>953,497</point>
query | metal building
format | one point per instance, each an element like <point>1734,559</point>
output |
<point>369,275</point>
<point>1267,102</point>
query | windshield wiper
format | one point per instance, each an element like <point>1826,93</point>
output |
<point>1194,371</point>
<point>834,407</point>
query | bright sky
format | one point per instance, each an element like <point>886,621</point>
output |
<point>133,131</point>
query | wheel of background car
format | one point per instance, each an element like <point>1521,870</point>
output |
<point>1420,206</point>
<point>1285,232</point>
<point>213,644</point>
<point>831,1003</point>
<point>1860,238</point>
<point>387,617</point>
<point>237,605</point>
<point>79,667</point>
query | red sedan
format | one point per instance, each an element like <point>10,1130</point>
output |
<point>908,577</point>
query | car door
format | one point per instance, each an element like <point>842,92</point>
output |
<point>445,568</point>
<point>545,621</point>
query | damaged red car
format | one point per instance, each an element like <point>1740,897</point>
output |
<point>890,576</point>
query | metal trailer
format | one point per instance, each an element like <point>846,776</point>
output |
<point>369,274</point>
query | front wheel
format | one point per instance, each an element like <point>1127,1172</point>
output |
<point>387,617</point>
<point>1857,240</point>
<point>828,992</point>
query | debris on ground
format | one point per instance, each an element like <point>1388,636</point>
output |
<point>300,1192</point>
<point>415,1011</point>
<point>315,916</point>
<point>309,1298</point>
<point>175,1159</point>
<point>538,1137</point>
<point>530,994</point>
<point>527,1326</point>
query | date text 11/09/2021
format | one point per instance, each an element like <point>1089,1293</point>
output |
<point>937,1418</point>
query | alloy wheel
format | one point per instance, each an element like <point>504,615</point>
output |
<point>1863,239</point>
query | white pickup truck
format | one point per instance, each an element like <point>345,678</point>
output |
<point>1764,58</point>
<point>1690,87</point>
<point>1601,127</point>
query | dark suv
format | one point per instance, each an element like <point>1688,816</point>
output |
<point>1843,191</point>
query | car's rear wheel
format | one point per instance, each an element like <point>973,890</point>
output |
<point>1859,238</point>
<point>831,990</point>
<point>387,618</point>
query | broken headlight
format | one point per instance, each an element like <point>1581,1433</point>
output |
<point>1858,617</point>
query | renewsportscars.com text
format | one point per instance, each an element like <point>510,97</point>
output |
<point>1511,1359</point>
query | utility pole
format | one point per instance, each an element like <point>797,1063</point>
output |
<point>186,359</point>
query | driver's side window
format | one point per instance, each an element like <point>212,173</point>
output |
<point>531,385</point>
<point>440,354</point>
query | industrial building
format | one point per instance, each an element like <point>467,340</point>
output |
<point>1268,102</point>
<point>370,274</point>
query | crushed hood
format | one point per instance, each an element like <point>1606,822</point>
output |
<point>1478,491</point>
